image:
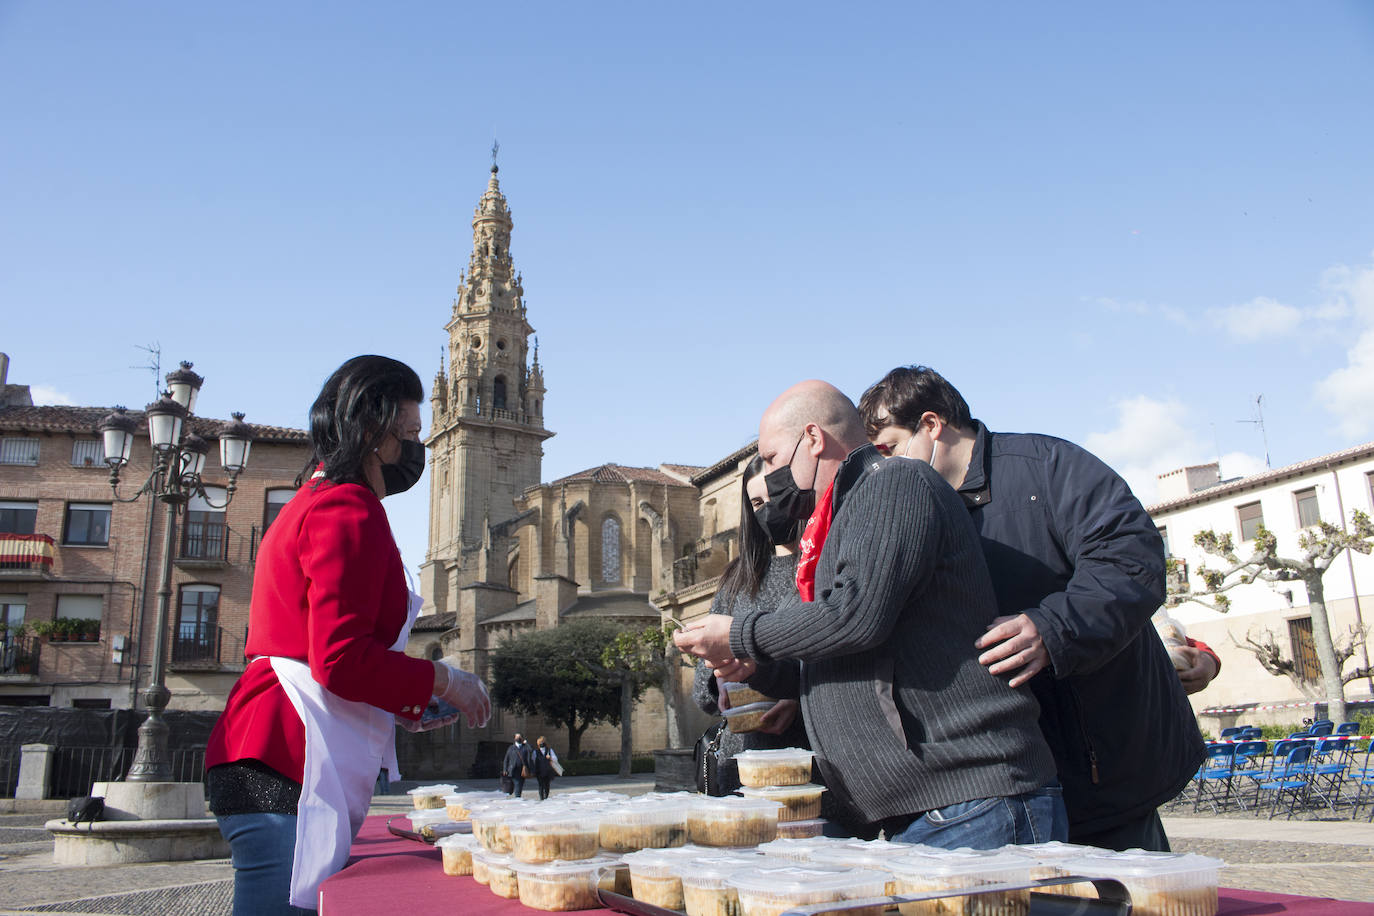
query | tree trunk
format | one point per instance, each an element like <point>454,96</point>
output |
<point>575,737</point>
<point>1332,686</point>
<point>672,695</point>
<point>627,709</point>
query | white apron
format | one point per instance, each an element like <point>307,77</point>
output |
<point>347,742</point>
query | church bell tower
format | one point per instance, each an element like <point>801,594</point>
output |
<point>486,437</point>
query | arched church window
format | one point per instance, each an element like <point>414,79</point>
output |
<point>610,549</point>
<point>498,393</point>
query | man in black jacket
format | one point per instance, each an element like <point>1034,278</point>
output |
<point>1078,567</point>
<point>910,731</point>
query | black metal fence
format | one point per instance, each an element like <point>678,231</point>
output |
<point>198,645</point>
<point>9,771</point>
<point>75,769</point>
<point>19,654</point>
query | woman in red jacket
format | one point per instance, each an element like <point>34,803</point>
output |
<point>306,727</point>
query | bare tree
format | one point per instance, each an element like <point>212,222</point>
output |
<point>1318,546</point>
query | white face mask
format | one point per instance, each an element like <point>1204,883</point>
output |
<point>934,450</point>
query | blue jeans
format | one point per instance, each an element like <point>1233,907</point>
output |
<point>519,784</point>
<point>987,823</point>
<point>262,847</point>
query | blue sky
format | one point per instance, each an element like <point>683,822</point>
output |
<point>1116,223</point>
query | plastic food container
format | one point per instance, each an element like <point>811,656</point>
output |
<point>770,891</point>
<point>875,855</point>
<point>459,805</point>
<point>732,821</point>
<point>741,694</point>
<point>649,824</point>
<point>542,836</point>
<point>430,796</point>
<point>1051,860</point>
<point>789,766</point>
<point>654,874</point>
<point>484,859</point>
<point>564,885</point>
<point>961,869</point>
<point>743,719</point>
<point>1160,883</point>
<point>798,849</point>
<point>705,891</point>
<point>799,830</point>
<point>432,823</point>
<point>457,850</point>
<point>490,823</point>
<point>800,803</point>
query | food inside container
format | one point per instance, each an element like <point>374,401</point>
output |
<point>432,823</point>
<point>742,719</point>
<point>789,766</point>
<point>741,694</point>
<point>732,821</point>
<point>798,830</point>
<point>962,869</point>
<point>875,855</point>
<point>500,871</point>
<point>654,873</point>
<point>1160,883</point>
<point>800,803</point>
<point>484,859</point>
<point>1051,861</point>
<point>771,891</point>
<point>430,796</point>
<point>704,888</point>
<point>491,822</point>
<point>458,805</point>
<point>649,824</point>
<point>564,885</point>
<point>564,832</point>
<point>457,851</point>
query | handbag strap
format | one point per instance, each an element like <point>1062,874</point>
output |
<point>712,748</point>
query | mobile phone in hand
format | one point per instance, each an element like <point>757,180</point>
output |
<point>437,709</point>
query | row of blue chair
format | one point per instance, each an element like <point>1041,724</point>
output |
<point>1319,729</point>
<point>1304,771</point>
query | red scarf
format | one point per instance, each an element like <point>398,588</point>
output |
<point>813,539</point>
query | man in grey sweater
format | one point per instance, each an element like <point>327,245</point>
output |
<point>911,732</point>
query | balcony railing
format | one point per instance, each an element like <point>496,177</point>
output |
<point>26,555</point>
<point>199,645</point>
<point>204,543</point>
<point>19,654</point>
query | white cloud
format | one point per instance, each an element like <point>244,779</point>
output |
<point>1348,392</point>
<point>1259,318</point>
<point>1154,436</point>
<point>1169,313</point>
<point>48,395</point>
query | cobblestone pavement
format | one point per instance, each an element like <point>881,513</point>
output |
<point>1320,857</point>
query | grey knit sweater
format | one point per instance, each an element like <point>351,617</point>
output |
<point>900,713</point>
<point>778,585</point>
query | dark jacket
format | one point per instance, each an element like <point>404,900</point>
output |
<point>517,756</point>
<point>1071,547</point>
<point>902,717</point>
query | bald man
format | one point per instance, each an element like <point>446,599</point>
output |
<point>911,732</point>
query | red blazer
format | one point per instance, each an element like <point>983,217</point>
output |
<point>329,590</point>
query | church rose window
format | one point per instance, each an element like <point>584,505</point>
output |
<point>610,549</point>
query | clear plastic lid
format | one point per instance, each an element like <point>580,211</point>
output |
<point>730,804</point>
<point>444,789</point>
<point>791,880</point>
<point>664,863</point>
<point>563,868</point>
<point>786,756</point>
<point>990,865</point>
<point>1141,865</point>
<point>494,859</point>
<point>547,818</point>
<point>427,816</point>
<point>592,797</point>
<point>809,828</point>
<point>710,871</point>
<point>799,849</point>
<point>877,853</point>
<point>645,813</point>
<point>1053,852</point>
<point>780,793</point>
<point>746,710</point>
<point>458,841</point>
<point>468,799</point>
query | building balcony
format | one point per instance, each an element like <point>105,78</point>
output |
<point>201,647</point>
<point>19,658</point>
<point>26,556</point>
<point>203,545</point>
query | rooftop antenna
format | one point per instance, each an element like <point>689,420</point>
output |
<point>1258,420</point>
<point>153,365</point>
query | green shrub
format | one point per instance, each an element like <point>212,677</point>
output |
<point>606,766</point>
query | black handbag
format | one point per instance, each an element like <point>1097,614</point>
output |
<point>87,808</point>
<point>707,758</point>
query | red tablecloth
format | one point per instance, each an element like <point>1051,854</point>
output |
<point>386,874</point>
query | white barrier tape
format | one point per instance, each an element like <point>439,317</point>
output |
<point>1213,710</point>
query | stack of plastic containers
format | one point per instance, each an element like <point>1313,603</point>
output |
<point>430,796</point>
<point>784,776</point>
<point>1160,883</point>
<point>962,870</point>
<point>732,821</point>
<point>770,891</point>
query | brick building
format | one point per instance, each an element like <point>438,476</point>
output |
<point>70,551</point>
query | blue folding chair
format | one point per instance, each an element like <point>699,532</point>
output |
<point>1214,777</point>
<point>1348,728</point>
<point>1321,728</point>
<point>1363,777</point>
<point>1264,769</point>
<point>1297,736</point>
<point>1329,762</point>
<point>1248,763</point>
<point>1232,732</point>
<point>1291,778</point>
<point>1252,733</point>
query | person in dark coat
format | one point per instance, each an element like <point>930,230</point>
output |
<point>1078,568</point>
<point>544,761</point>
<point>519,761</point>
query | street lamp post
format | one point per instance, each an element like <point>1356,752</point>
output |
<point>178,461</point>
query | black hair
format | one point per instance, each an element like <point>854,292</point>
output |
<point>906,393</point>
<point>358,405</point>
<point>745,573</point>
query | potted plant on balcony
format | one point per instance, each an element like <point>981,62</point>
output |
<point>88,629</point>
<point>49,629</point>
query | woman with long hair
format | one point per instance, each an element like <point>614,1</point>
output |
<point>293,759</point>
<point>763,575</point>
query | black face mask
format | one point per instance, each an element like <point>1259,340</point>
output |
<point>791,500</point>
<point>780,528</point>
<point>401,476</point>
